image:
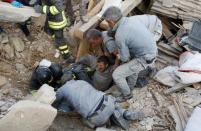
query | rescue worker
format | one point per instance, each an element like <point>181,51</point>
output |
<point>95,38</point>
<point>136,42</point>
<point>56,21</point>
<point>46,73</point>
<point>94,106</point>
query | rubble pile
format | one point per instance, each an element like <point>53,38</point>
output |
<point>166,107</point>
<point>188,10</point>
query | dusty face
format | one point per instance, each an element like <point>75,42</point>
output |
<point>111,23</point>
<point>94,42</point>
<point>101,66</point>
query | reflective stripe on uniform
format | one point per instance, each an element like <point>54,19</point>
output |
<point>63,47</point>
<point>45,9</point>
<point>53,10</point>
<point>64,52</point>
<point>74,76</point>
<point>58,25</point>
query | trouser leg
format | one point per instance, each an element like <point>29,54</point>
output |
<point>48,30</point>
<point>124,71</point>
<point>61,43</point>
<point>132,81</point>
<point>102,116</point>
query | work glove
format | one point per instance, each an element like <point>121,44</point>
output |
<point>17,4</point>
<point>38,8</point>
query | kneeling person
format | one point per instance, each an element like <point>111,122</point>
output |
<point>94,106</point>
<point>46,73</point>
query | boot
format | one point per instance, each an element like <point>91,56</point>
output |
<point>129,115</point>
<point>123,98</point>
<point>119,120</point>
<point>68,58</point>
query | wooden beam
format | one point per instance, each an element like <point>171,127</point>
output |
<point>9,13</point>
<point>176,88</point>
<point>126,7</point>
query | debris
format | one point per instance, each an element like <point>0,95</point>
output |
<point>23,116</point>
<point>166,77</point>
<point>194,121</point>
<point>9,51</point>
<point>13,14</point>
<point>4,38</point>
<point>103,129</point>
<point>17,43</point>
<point>176,118</point>
<point>45,94</point>
<point>175,88</point>
<point>20,67</point>
<point>187,9</point>
<point>3,81</point>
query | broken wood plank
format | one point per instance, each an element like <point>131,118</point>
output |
<point>168,52</point>
<point>9,13</point>
<point>179,112</point>
<point>176,118</point>
<point>169,48</point>
<point>126,7</point>
<point>177,87</point>
<point>166,32</point>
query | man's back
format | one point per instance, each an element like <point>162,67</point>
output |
<point>134,36</point>
<point>81,96</point>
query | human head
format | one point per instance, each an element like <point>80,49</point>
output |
<point>112,15</point>
<point>44,75</point>
<point>94,37</point>
<point>102,63</point>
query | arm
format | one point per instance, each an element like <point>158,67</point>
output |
<point>123,50</point>
<point>88,60</point>
<point>59,98</point>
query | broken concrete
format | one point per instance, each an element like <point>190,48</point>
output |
<point>17,43</point>
<point>20,67</point>
<point>9,50</point>
<point>28,116</point>
<point>45,94</point>
<point>3,81</point>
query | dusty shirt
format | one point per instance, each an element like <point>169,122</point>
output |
<point>134,39</point>
<point>100,80</point>
<point>81,96</point>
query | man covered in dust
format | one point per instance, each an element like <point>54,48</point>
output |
<point>95,106</point>
<point>135,38</point>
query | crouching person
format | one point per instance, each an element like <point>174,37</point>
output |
<point>46,72</point>
<point>95,106</point>
<point>136,43</point>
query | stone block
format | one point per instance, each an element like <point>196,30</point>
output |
<point>28,115</point>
